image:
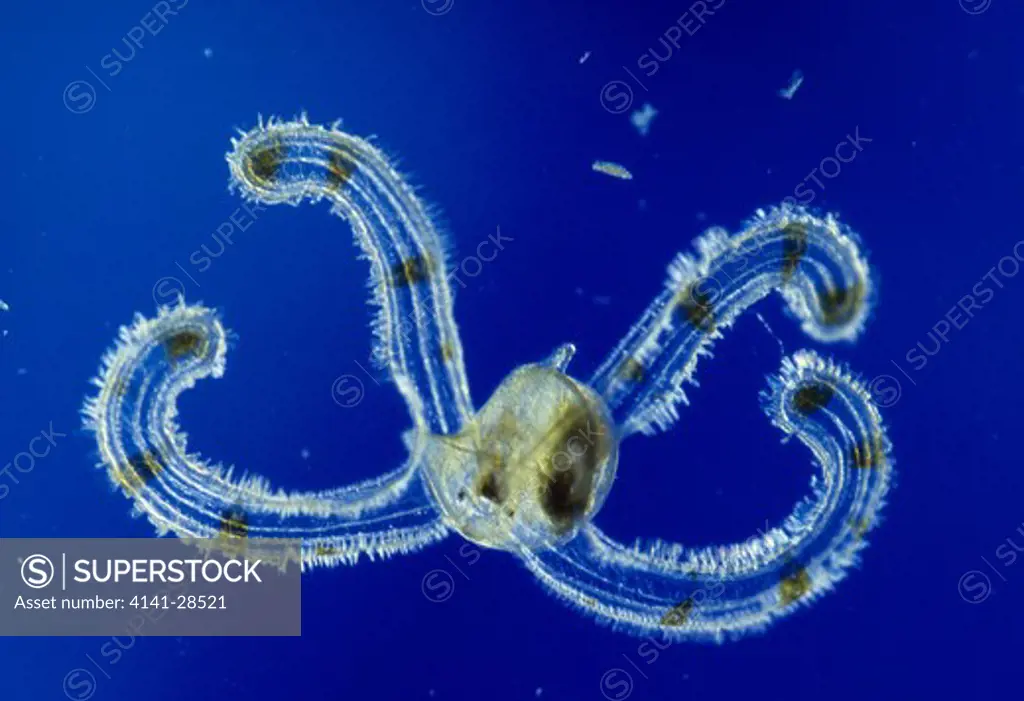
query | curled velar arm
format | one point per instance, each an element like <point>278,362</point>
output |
<point>134,414</point>
<point>656,586</point>
<point>288,162</point>
<point>134,417</point>
<point>813,262</point>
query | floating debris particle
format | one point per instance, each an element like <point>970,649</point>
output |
<point>208,52</point>
<point>22,371</point>
<point>596,299</point>
<point>613,169</point>
<point>4,306</point>
<point>304,453</point>
<point>795,81</point>
<point>584,58</point>
<point>643,117</point>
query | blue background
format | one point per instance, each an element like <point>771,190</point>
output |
<point>494,118</point>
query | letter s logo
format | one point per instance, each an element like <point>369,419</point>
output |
<point>37,571</point>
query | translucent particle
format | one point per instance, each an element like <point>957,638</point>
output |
<point>208,52</point>
<point>643,117</point>
<point>613,169</point>
<point>529,470</point>
<point>584,57</point>
<point>4,306</point>
<point>795,81</point>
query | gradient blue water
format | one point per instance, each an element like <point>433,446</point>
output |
<point>493,116</point>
